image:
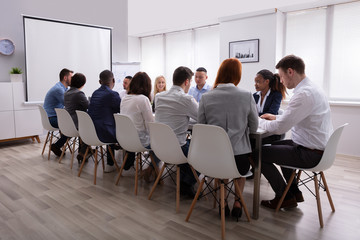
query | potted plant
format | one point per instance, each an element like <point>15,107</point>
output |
<point>16,74</point>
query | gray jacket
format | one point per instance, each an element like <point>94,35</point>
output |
<point>234,110</point>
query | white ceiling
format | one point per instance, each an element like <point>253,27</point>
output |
<point>158,16</point>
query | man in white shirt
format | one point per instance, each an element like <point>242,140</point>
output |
<point>201,85</point>
<point>175,108</point>
<point>308,117</point>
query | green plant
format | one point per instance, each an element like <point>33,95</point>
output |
<point>16,70</point>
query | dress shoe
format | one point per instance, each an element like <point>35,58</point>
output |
<point>80,157</point>
<point>236,212</point>
<point>299,197</point>
<point>252,176</point>
<point>226,210</point>
<point>129,163</point>
<point>109,168</point>
<point>287,203</point>
<point>56,150</point>
<point>187,190</point>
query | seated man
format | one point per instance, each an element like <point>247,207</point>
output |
<point>175,108</point>
<point>201,85</point>
<point>55,99</point>
<point>126,83</point>
<point>308,117</point>
<point>104,103</point>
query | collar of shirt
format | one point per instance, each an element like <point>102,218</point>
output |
<point>259,106</point>
<point>176,88</point>
<point>206,87</point>
<point>222,85</point>
<point>301,84</point>
<point>61,85</point>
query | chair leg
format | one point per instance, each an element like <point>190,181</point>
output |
<point>156,181</point>
<point>215,194</point>
<point>72,154</point>
<point>222,203</point>
<point>83,161</point>
<point>121,169</point>
<point>138,159</point>
<point>112,155</point>
<point>327,191</point>
<point>51,137</point>
<point>63,150</point>
<point>177,188</point>
<point>316,183</point>
<point>154,164</point>
<point>102,158</point>
<point>285,191</point>
<point>46,141</point>
<point>195,199</point>
<point>195,175</point>
<point>96,163</point>
<point>237,189</point>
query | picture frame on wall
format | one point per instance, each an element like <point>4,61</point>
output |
<point>246,51</point>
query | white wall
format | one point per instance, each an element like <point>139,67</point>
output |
<point>262,27</point>
<point>110,13</point>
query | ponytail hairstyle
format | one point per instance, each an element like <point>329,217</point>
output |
<point>274,81</point>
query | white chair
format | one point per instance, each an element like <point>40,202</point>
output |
<point>211,154</point>
<point>128,138</point>
<point>166,147</point>
<point>47,126</point>
<point>88,135</point>
<point>325,163</point>
<point>68,128</point>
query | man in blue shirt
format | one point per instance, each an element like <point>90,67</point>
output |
<point>55,99</point>
<point>201,85</point>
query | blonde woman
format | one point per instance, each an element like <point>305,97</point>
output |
<point>159,86</point>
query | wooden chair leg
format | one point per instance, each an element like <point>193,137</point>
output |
<point>156,181</point>
<point>64,149</point>
<point>216,184</point>
<point>327,191</point>
<point>154,164</point>
<point>222,203</point>
<point>195,174</point>
<point>51,137</point>
<point>237,189</point>
<point>138,158</point>
<point>286,190</point>
<point>83,161</point>
<point>73,152</point>
<point>37,138</point>
<point>102,158</point>
<point>121,169</point>
<point>112,155</point>
<point>46,141</point>
<point>177,188</point>
<point>96,163</point>
<point>195,199</point>
<point>316,183</point>
<point>298,175</point>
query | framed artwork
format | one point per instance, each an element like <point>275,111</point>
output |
<point>245,51</point>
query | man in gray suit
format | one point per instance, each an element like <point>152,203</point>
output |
<point>175,108</point>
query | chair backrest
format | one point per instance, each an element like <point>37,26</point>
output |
<point>127,135</point>
<point>165,144</point>
<point>211,152</point>
<point>329,155</point>
<point>87,129</point>
<point>66,123</point>
<point>45,120</point>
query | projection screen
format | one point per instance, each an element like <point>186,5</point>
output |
<point>51,45</point>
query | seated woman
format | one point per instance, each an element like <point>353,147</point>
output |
<point>159,86</point>
<point>270,92</point>
<point>136,104</point>
<point>234,110</point>
<point>75,99</point>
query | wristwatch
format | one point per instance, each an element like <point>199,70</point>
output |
<point>7,47</point>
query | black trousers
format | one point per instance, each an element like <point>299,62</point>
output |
<point>285,152</point>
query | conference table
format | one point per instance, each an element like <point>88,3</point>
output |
<point>258,136</point>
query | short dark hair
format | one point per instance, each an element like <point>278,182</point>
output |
<point>291,61</point>
<point>129,77</point>
<point>106,77</point>
<point>181,74</point>
<point>201,69</point>
<point>78,80</point>
<point>140,84</point>
<point>64,72</point>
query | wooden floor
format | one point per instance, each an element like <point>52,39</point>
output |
<point>41,199</point>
